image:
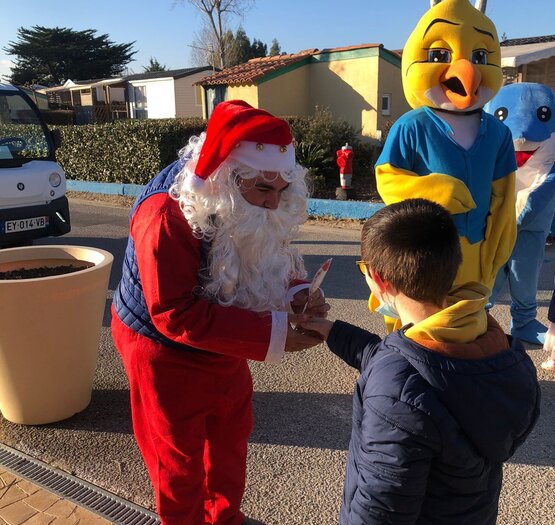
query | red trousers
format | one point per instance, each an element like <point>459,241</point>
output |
<point>192,416</point>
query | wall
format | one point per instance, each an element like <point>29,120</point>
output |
<point>86,97</point>
<point>287,94</point>
<point>550,80</point>
<point>540,71</point>
<point>390,82</point>
<point>117,94</point>
<point>248,93</point>
<point>186,95</point>
<point>346,82</point>
<point>159,96</point>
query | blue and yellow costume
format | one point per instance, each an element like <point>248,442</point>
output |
<point>528,111</point>
<point>448,149</point>
<point>413,145</point>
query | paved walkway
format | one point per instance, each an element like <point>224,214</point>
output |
<point>23,502</point>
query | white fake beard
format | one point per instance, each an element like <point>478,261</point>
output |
<point>251,261</point>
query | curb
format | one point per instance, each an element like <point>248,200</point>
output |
<point>316,207</point>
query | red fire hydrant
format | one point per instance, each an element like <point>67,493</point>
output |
<point>345,163</point>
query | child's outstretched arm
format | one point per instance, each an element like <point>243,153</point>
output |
<point>318,324</point>
<point>352,344</point>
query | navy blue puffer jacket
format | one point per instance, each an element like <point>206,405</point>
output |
<point>430,432</point>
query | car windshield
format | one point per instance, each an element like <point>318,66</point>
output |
<point>22,135</point>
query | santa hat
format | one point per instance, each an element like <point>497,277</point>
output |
<point>248,135</point>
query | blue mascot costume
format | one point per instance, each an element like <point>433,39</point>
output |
<point>529,111</point>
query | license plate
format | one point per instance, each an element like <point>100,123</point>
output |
<point>21,225</point>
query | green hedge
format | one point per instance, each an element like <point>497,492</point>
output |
<point>124,151</point>
<point>58,117</point>
<point>133,151</point>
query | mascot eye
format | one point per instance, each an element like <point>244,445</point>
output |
<point>544,114</point>
<point>501,114</point>
<point>439,55</point>
<point>480,56</point>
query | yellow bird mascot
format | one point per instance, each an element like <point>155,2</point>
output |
<point>447,149</point>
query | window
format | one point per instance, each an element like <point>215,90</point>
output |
<point>214,95</point>
<point>198,95</point>
<point>386,104</point>
<point>141,108</point>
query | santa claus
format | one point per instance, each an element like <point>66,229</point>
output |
<point>210,279</point>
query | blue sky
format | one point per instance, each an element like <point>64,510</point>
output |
<point>164,32</point>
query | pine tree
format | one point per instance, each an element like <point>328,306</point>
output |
<point>275,49</point>
<point>153,66</point>
<point>50,56</point>
<point>258,49</point>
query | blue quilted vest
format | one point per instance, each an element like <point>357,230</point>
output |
<point>129,301</point>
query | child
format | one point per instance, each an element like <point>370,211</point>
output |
<point>440,403</point>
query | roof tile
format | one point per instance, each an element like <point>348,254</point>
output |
<point>256,68</point>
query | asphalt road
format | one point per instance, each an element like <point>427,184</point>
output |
<point>302,407</point>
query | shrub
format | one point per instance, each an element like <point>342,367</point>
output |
<point>58,117</point>
<point>124,151</point>
<point>330,134</point>
<point>133,151</point>
<point>386,129</point>
<point>313,157</point>
<point>366,155</point>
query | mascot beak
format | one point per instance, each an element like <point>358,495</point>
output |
<point>460,83</point>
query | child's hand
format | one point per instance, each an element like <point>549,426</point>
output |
<point>316,306</point>
<point>317,324</point>
<point>299,338</point>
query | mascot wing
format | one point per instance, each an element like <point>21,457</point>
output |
<point>397,184</point>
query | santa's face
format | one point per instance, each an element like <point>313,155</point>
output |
<point>249,218</point>
<point>251,260</point>
<point>265,190</point>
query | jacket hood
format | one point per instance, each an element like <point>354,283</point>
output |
<point>494,399</point>
<point>463,321</point>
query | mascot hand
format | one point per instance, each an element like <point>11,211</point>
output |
<point>500,234</point>
<point>395,184</point>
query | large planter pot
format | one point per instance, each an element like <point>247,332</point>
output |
<point>50,331</point>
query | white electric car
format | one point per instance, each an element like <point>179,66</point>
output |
<point>33,203</point>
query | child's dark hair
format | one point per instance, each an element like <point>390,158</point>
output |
<point>413,244</point>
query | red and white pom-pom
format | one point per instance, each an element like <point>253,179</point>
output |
<point>194,184</point>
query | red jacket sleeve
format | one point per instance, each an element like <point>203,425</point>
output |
<point>168,257</point>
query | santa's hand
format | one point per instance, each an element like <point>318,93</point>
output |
<point>318,325</point>
<point>299,338</point>
<point>316,306</point>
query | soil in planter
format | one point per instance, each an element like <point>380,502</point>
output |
<point>43,271</point>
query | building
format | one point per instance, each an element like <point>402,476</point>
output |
<point>360,84</point>
<point>159,94</point>
<point>166,94</point>
<point>529,60</point>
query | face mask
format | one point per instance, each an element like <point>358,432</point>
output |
<point>387,310</point>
